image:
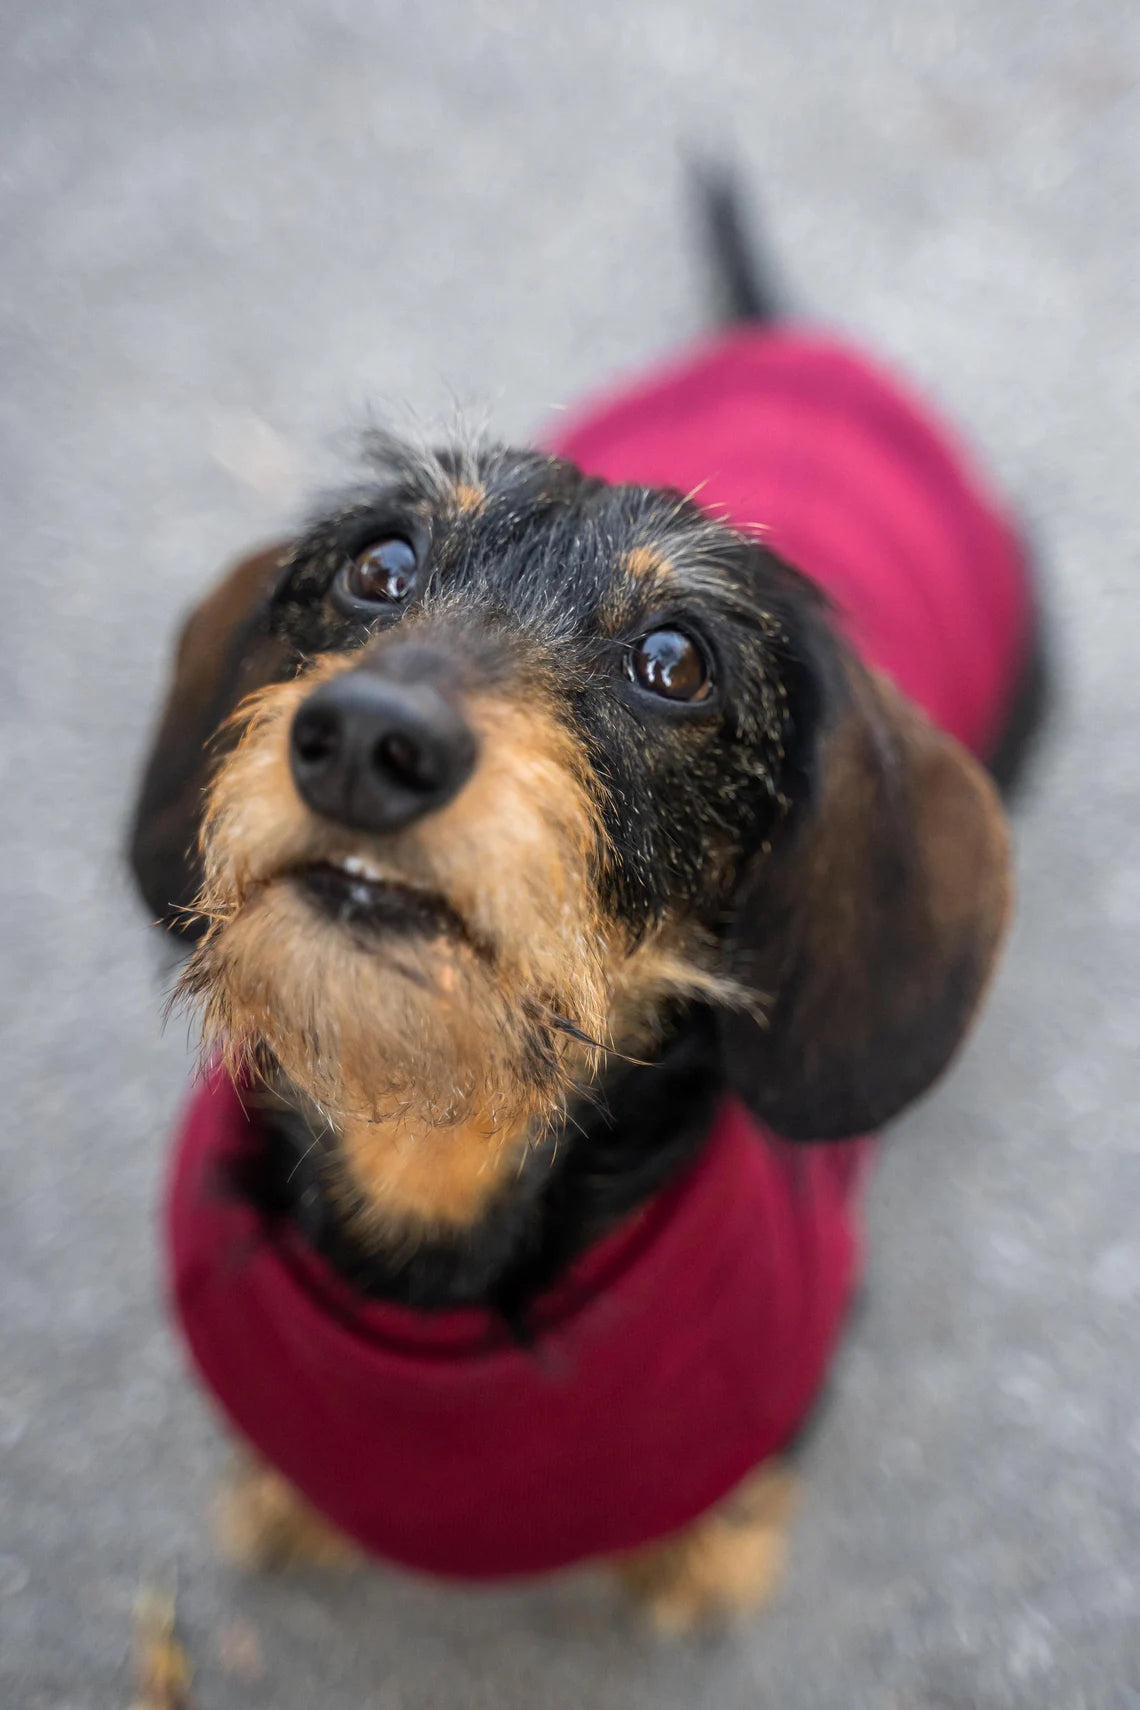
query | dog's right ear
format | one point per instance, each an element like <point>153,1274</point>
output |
<point>225,651</point>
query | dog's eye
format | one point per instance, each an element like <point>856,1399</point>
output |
<point>383,572</point>
<point>668,662</point>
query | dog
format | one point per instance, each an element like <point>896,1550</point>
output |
<point>579,851</point>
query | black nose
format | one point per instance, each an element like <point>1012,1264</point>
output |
<point>377,755</point>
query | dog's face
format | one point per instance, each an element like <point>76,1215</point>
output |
<point>534,759</point>
<point>543,722</point>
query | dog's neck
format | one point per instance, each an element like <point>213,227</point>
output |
<point>371,1204</point>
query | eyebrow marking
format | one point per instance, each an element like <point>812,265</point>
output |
<point>644,561</point>
<point>469,498</point>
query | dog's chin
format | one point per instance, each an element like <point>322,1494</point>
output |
<point>375,1003</point>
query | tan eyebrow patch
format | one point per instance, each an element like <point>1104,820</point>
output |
<point>644,561</point>
<point>468,498</point>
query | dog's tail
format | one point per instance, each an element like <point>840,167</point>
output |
<point>742,281</point>
<point>746,289</point>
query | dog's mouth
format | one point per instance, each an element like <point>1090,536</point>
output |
<point>349,891</point>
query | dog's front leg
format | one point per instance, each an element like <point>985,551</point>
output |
<point>727,1563</point>
<point>261,1523</point>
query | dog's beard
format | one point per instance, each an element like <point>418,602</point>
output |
<point>501,991</point>
<point>471,1009</point>
<point>377,1027</point>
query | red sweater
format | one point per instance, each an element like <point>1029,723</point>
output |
<point>689,1344</point>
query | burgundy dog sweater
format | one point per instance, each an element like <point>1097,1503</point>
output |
<point>689,1344</point>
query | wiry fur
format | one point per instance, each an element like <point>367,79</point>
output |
<point>466,1095</point>
<point>482,1029</point>
<point>446,1024</point>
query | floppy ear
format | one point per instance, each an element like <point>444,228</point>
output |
<point>872,933</point>
<point>224,652</point>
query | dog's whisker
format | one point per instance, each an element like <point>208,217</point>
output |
<point>318,1142</point>
<point>563,1024</point>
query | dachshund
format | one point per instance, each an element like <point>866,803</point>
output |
<point>578,851</point>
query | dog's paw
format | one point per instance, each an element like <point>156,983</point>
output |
<point>261,1524</point>
<point>724,1566</point>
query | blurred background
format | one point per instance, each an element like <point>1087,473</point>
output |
<point>227,232</point>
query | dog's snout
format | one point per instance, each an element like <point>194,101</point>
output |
<point>375,754</point>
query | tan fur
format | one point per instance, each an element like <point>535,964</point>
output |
<point>726,1564</point>
<point>427,1180</point>
<point>675,961</point>
<point>416,1180</point>
<point>261,1523</point>
<point>645,562</point>
<point>469,499</point>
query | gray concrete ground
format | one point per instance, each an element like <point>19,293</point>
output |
<point>228,230</point>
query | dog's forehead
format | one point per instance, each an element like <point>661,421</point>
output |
<point>630,542</point>
<point>570,556</point>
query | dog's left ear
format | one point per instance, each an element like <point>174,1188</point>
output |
<point>225,651</point>
<point>871,933</point>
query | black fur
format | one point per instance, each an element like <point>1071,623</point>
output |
<point>743,288</point>
<point>535,581</point>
